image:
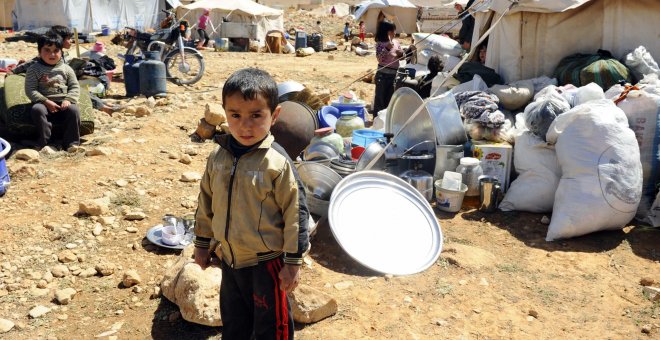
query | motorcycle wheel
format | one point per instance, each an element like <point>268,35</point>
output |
<point>186,73</point>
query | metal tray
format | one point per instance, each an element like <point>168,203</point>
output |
<point>399,233</point>
<point>155,236</point>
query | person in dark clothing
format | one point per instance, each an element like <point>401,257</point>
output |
<point>388,54</point>
<point>424,87</point>
<point>467,27</point>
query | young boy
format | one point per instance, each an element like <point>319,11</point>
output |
<point>252,201</point>
<point>53,88</point>
<point>347,31</point>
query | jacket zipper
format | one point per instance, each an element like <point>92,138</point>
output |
<point>231,187</point>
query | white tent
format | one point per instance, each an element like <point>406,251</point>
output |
<point>401,12</point>
<point>236,11</point>
<point>6,7</point>
<point>89,15</point>
<point>532,39</point>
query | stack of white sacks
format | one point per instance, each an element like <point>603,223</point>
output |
<point>577,154</point>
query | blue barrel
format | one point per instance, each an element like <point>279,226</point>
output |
<point>132,75</point>
<point>153,80</point>
<point>105,30</point>
<point>301,39</point>
<point>5,147</point>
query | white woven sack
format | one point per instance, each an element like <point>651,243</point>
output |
<point>438,43</point>
<point>538,176</point>
<point>601,183</point>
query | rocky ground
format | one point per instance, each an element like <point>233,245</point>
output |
<point>70,275</point>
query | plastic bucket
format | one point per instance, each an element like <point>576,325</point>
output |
<point>5,147</point>
<point>364,137</point>
<point>328,116</point>
<point>105,30</point>
<point>449,200</point>
<point>221,44</point>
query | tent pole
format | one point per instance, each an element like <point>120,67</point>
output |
<point>75,38</point>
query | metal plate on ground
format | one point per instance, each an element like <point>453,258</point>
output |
<point>155,236</point>
<point>384,223</point>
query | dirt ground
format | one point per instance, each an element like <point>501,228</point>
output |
<point>497,277</point>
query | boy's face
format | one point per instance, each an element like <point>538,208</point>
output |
<point>50,54</point>
<point>66,43</point>
<point>249,120</point>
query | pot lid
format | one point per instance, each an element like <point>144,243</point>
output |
<point>404,221</point>
<point>319,180</point>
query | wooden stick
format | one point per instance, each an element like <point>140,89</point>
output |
<point>75,38</point>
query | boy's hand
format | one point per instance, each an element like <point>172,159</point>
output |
<point>65,104</point>
<point>289,277</point>
<point>202,257</point>
<point>51,106</point>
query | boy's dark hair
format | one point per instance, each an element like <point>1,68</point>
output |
<point>384,27</point>
<point>49,39</point>
<point>434,64</point>
<point>346,24</point>
<point>63,31</point>
<point>251,82</point>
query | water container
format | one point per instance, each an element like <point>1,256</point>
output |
<point>364,137</point>
<point>221,44</point>
<point>328,116</point>
<point>153,80</point>
<point>131,71</point>
<point>5,147</point>
<point>105,30</point>
<point>301,39</point>
<point>315,41</point>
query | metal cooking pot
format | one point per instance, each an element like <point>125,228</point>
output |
<point>448,158</point>
<point>420,180</point>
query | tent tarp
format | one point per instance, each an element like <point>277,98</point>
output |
<point>529,44</point>
<point>6,7</point>
<point>236,11</point>
<point>401,12</point>
<point>88,15</point>
<point>539,6</point>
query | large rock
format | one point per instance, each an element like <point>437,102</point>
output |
<point>214,114</point>
<point>468,257</point>
<point>64,296</point>
<point>27,154</point>
<point>195,291</point>
<point>95,207</point>
<point>6,325</point>
<point>311,305</point>
<point>131,278</point>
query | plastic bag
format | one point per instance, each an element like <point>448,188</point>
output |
<point>589,92</point>
<point>515,95</point>
<point>476,84</point>
<point>540,114</point>
<point>601,183</point>
<point>538,176</point>
<point>641,63</point>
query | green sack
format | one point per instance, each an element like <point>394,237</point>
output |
<point>605,72</point>
<point>569,68</point>
<point>15,110</point>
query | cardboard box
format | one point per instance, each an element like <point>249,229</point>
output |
<point>496,160</point>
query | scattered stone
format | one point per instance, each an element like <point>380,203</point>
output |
<point>142,111</point>
<point>62,317</point>
<point>533,313</point>
<point>105,268</point>
<point>545,220</point>
<point>483,282</point>
<point>42,284</point>
<point>38,311</point>
<point>121,183</point>
<point>135,216</point>
<point>155,294</point>
<point>67,256</point>
<point>190,177</point>
<point>646,281</point>
<point>27,154</point>
<point>23,171</point>
<point>185,159</point>
<point>6,325</point>
<point>89,272</point>
<point>99,151</point>
<point>652,293</point>
<point>106,220</point>
<point>95,207</point>
<point>131,278</point>
<point>60,270</point>
<point>64,296</point>
<point>530,318</point>
<point>137,289</point>
<point>343,285</point>
<point>48,151</point>
<point>646,329</point>
<point>131,230</point>
<point>442,323</point>
<point>98,229</point>
<point>311,305</point>
<point>39,292</point>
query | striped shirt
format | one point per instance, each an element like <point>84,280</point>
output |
<point>55,82</point>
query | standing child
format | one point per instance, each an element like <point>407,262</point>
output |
<point>52,87</point>
<point>252,200</point>
<point>363,31</point>
<point>347,31</point>
<point>201,29</point>
<point>388,54</point>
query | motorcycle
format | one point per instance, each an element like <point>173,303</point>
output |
<point>184,65</point>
